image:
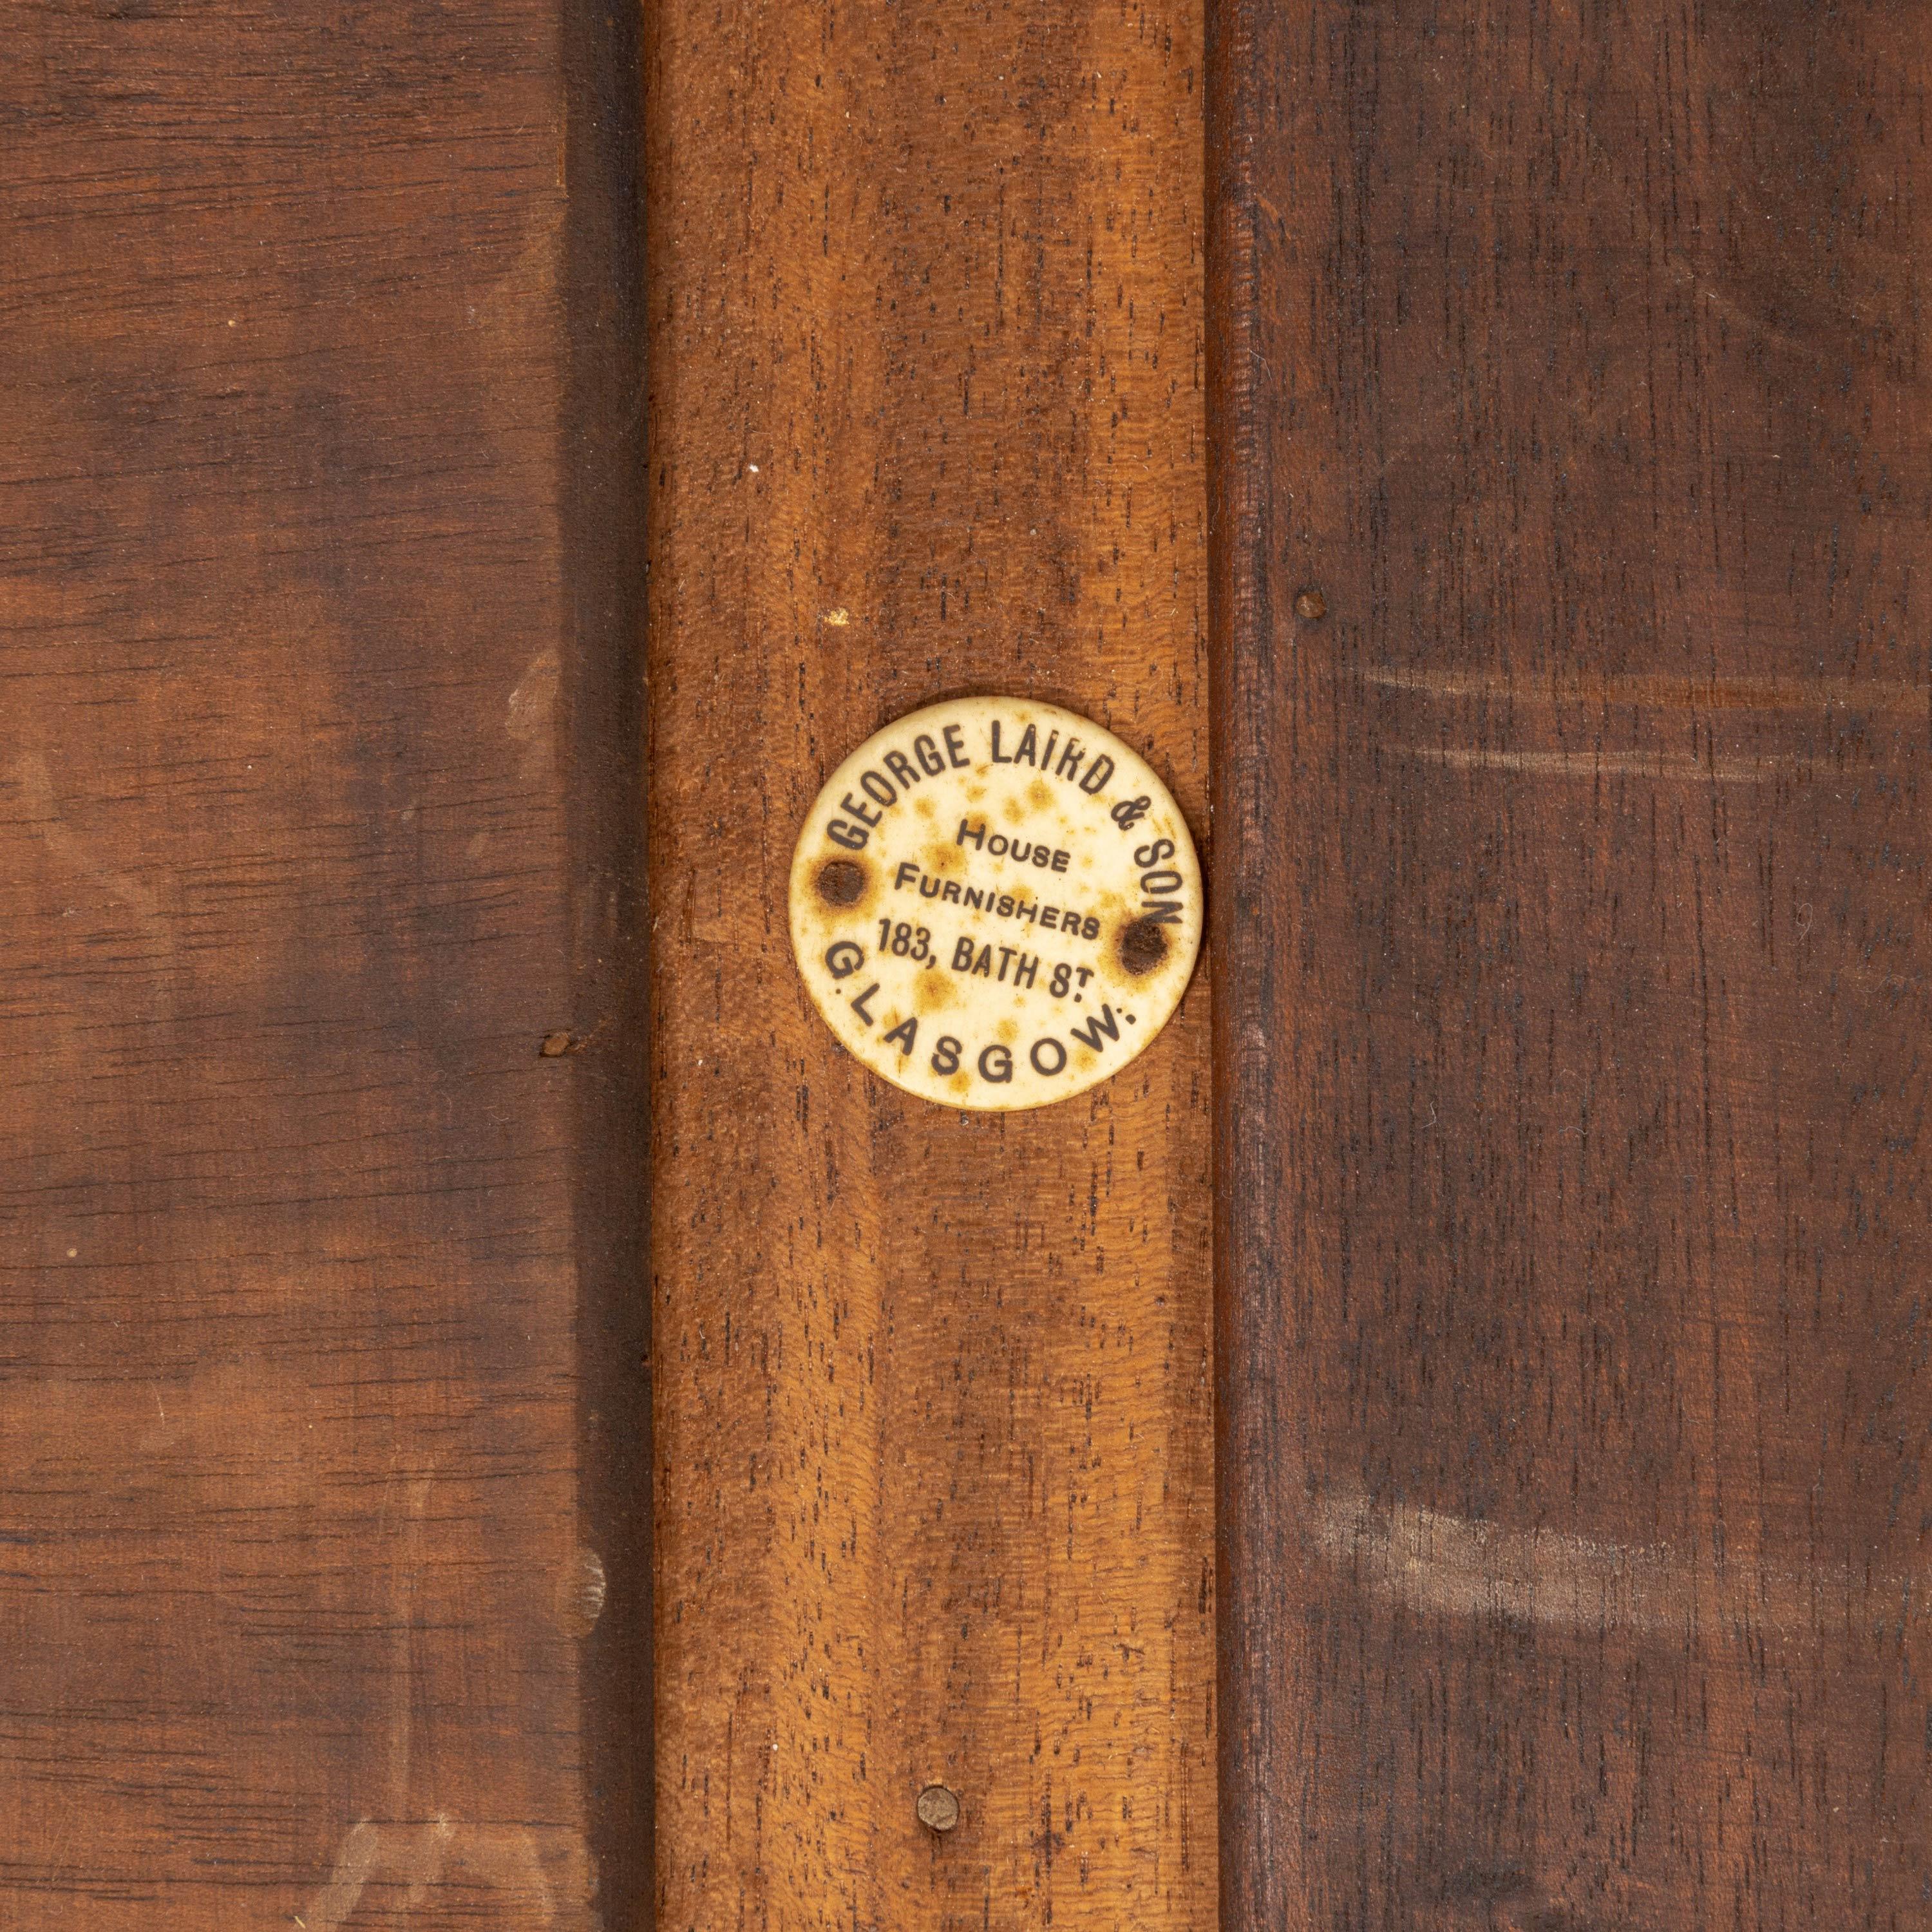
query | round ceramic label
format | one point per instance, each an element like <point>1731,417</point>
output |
<point>995,903</point>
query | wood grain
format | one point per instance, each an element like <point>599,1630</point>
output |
<point>320,787</point>
<point>1572,992</point>
<point>933,1453</point>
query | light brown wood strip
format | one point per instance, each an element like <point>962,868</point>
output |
<point>933,1460</point>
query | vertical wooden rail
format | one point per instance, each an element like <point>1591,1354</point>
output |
<point>933,1465</point>
<point>319,796</point>
<point>1573,525</point>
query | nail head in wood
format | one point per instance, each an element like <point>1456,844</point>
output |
<point>938,1809</point>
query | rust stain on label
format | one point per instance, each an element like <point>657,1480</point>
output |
<point>995,904</point>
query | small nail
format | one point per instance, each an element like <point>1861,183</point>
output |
<point>938,1809</point>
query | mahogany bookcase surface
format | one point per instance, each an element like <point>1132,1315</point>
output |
<point>1570,535</point>
<point>320,1325</point>
<point>1498,439</point>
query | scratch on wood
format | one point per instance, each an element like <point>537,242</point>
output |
<point>420,1855</point>
<point>1430,1561</point>
<point>1594,764</point>
<point>1658,690</point>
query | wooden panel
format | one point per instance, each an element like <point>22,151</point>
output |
<point>318,781</point>
<point>934,1449</point>
<point>1572,751</point>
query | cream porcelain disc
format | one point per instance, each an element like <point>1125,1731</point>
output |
<point>995,904</point>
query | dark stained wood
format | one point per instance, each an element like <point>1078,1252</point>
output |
<point>934,1456</point>
<point>1572,1000</point>
<point>319,785</point>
